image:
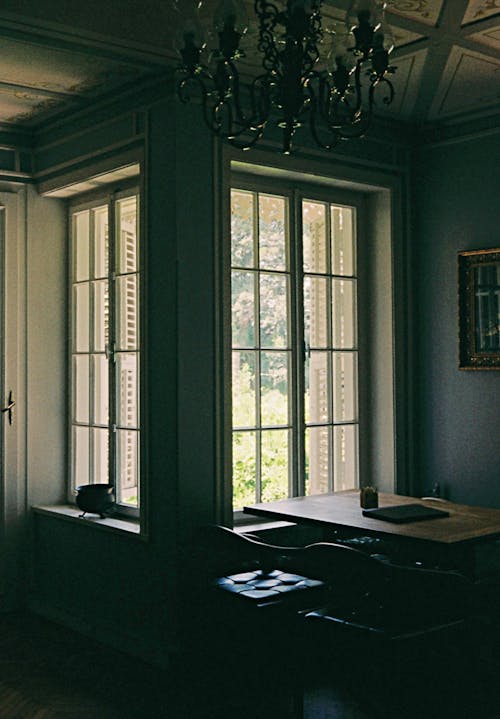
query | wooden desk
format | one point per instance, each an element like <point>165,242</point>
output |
<point>467,541</point>
<point>342,509</point>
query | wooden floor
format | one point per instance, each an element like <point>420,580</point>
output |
<point>49,672</point>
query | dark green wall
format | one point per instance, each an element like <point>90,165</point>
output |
<point>456,207</point>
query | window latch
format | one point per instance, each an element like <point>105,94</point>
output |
<point>9,406</point>
<point>110,351</point>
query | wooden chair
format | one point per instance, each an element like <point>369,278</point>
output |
<point>283,620</point>
<point>391,628</point>
<point>243,605</point>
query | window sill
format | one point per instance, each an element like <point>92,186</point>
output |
<point>69,513</point>
<point>250,523</point>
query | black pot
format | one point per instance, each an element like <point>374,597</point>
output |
<point>95,498</point>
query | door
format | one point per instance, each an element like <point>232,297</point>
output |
<point>12,383</point>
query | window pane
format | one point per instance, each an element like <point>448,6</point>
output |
<point>101,389</point>
<point>126,227</point>
<point>317,460</point>
<point>273,310</point>
<point>101,238</point>
<point>81,389</point>
<point>243,309</point>
<point>101,315</point>
<point>105,310</point>
<point>127,467</point>
<point>344,314</point>
<point>127,400</point>
<point>81,312</point>
<point>80,455</point>
<point>266,323</point>
<point>81,246</point>
<point>343,248</point>
<point>274,381</point>
<point>314,237</point>
<point>316,388</point>
<point>316,312</point>
<point>100,458</point>
<point>244,468</point>
<point>242,229</point>
<point>127,331</point>
<point>243,385</point>
<point>272,229</point>
<point>345,403</point>
<point>274,464</point>
<point>345,456</point>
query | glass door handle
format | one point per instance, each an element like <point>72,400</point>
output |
<point>8,408</point>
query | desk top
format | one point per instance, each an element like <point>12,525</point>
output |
<point>342,509</point>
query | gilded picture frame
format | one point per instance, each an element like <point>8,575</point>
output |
<point>479,309</point>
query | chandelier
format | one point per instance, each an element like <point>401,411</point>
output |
<point>325,76</point>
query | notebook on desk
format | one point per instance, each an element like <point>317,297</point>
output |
<point>402,513</point>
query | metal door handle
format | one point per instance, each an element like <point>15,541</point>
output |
<point>9,406</point>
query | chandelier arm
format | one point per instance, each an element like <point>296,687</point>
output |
<point>211,110</point>
<point>198,79</point>
<point>212,115</point>
<point>247,145</point>
<point>321,100</point>
<point>314,104</point>
<point>328,102</point>
<point>229,128</point>
<point>234,80</point>
<point>376,82</point>
<point>261,105</point>
<point>356,111</point>
<point>358,128</point>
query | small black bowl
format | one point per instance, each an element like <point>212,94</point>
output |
<point>95,498</point>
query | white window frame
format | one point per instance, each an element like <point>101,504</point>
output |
<point>110,198</point>
<point>297,190</point>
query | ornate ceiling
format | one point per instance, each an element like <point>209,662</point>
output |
<point>56,56</point>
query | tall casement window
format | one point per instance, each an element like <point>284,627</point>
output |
<point>294,345</point>
<point>105,345</point>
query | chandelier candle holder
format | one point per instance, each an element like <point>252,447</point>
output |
<point>327,77</point>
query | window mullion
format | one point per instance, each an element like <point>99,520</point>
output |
<point>92,449</point>
<point>329,326</point>
<point>258,412</point>
<point>112,443</point>
<point>297,316</point>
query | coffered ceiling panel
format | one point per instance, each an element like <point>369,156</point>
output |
<point>403,37</point>
<point>466,84</point>
<point>426,11</point>
<point>480,9</point>
<point>17,106</point>
<point>57,70</point>
<point>491,38</point>
<point>406,81</point>
<point>36,79</point>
